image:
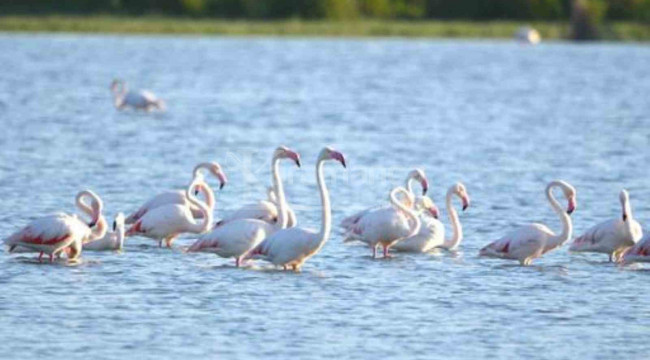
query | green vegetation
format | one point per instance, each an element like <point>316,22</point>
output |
<point>579,19</point>
<point>445,29</point>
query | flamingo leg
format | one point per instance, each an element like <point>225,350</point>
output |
<point>237,261</point>
<point>160,242</point>
<point>610,257</point>
<point>385,251</point>
<point>40,256</point>
<point>51,257</point>
<point>374,252</point>
<point>170,240</point>
<point>284,267</point>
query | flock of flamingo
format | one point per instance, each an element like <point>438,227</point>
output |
<point>268,229</point>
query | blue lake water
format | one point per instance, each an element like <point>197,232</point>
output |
<point>502,118</point>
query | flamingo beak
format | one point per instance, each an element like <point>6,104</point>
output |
<point>295,156</point>
<point>624,217</point>
<point>222,179</point>
<point>572,206</point>
<point>465,202</point>
<point>434,212</point>
<point>339,157</point>
<point>114,225</point>
<point>425,186</point>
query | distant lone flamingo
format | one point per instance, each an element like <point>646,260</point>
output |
<point>534,240</point>
<point>137,99</point>
<point>291,247</point>
<point>613,236</point>
<point>60,232</point>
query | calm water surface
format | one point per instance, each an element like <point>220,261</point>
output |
<point>502,118</point>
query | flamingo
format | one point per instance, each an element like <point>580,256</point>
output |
<point>53,234</point>
<point>139,100</point>
<point>291,247</point>
<point>432,231</point>
<point>178,196</point>
<point>386,226</point>
<point>237,237</point>
<point>414,175</point>
<point>112,241</point>
<point>640,252</point>
<point>166,222</point>
<point>267,210</point>
<point>613,236</point>
<point>534,240</point>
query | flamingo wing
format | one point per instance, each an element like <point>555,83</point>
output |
<point>165,198</point>
<point>431,235</point>
<point>290,246</point>
<point>48,233</point>
<point>522,243</point>
<point>233,239</point>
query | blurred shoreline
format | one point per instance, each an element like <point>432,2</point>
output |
<point>611,31</point>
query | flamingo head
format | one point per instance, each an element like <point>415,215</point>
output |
<point>570,194</point>
<point>283,152</point>
<point>118,222</point>
<point>115,84</point>
<point>419,176</point>
<point>460,190</point>
<point>424,203</point>
<point>216,170</point>
<point>624,197</point>
<point>329,153</point>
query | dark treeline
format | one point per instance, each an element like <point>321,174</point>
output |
<point>636,10</point>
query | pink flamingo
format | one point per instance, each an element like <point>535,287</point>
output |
<point>386,226</point>
<point>291,247</point>
<point>60,232</point>
<point>139,99</point>
<point>613,236</point>
<point>166,222</point>
<point>640,252</point>
<point>531,241</point>
<point>414,175</point>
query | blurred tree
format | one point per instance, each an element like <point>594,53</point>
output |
<point>376,8</point>
<point>340,9</point>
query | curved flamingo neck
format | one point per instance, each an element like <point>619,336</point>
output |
<point>197,169</point>
<point>413,217</point>
<point>409,184</point>
<point>207,212</point>
<point>567,226</point>
<point>279,192</point>
<point>453,242</point>
<point>626,207</point>
<point>120,236</point>
<point>326,220</point>
<point>99,230</point>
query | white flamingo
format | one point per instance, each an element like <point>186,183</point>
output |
<point>613,236</point>
<point>414,175</point>
<point>112,241</point>
<point>60,232</point>
<point>640,252</point>
<point>386,226</point>
<point>267,210</point>
<point>178,196</point>
<point>432,231</point>
<point>137,99</point>
<point>291,247</point>
<point>237,237</point>
<point>534,240</point>
<point>166,222</point>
